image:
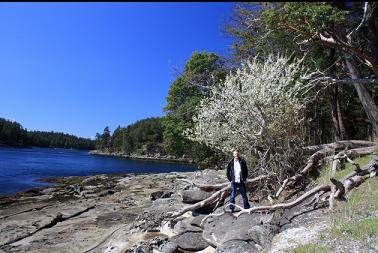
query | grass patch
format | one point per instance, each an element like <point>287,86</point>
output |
<point>311,247</point>
<point>326,170</point>
<point>359,230</point>
<point>351,219</point>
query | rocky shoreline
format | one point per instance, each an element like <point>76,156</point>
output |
<point>156,157</point>
<point>121,213</point>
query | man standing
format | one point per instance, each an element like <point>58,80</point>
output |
<point>237,174</point>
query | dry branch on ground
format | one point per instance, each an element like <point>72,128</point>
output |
<point>335,190</point>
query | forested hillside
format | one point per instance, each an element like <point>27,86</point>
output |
<point>143,137</point>
<point>14,135</point>
<point>325,54</point>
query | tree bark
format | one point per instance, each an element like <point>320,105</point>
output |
<point>372,31</point>
<point>337,119</point>
<point>368,104</point>
<point>343,132</point>
<point>350,144</point>
<point>333,105</point>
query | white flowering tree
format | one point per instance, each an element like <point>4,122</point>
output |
<point>259,106</point>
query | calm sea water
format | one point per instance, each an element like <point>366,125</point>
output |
<point>20,167</point>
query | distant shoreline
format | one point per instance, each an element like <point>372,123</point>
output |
<point>142,157</point>
<point>30,147</point>
<point>59,162</point>
<point>8,146</point>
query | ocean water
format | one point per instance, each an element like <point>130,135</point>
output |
<point>19,168</point>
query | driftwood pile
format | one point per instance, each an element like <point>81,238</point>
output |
<point>336,153</point>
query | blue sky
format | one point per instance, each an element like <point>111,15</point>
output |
<point>78,67</point>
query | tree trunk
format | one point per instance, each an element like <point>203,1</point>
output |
<point>372,32</point>
<point>337,119</point>
<point>368,104</point>
<point>343,132</point>
<point>333,105</point>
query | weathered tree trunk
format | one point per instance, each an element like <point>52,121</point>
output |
<point>372,31</point>
<point>343,132</point>
<point>368,104</point>
<point>336,115</point>
<point>333,105</point>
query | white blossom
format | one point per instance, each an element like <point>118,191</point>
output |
<point>253,104</point>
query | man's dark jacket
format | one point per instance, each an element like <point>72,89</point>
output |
<point>243,167</point>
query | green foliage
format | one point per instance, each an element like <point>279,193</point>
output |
<point>326,170</point>
<point>282,28</point>
<point>357,229</point>
<point>103,141</point>
<point>13,134</point>
<point>201,71</point>
<point>305,17</point>
<point>58,140</point>
<point>352,218</point>
<point>143,137</point>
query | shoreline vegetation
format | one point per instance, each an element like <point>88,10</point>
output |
<point>13,134</point>
<point>156,157</point>
<point>280,98</point>
<point>129,212</point>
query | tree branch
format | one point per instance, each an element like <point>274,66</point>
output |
<point>348,80</point>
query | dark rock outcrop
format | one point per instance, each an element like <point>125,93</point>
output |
<point>160,195</point>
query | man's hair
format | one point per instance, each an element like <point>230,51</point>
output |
<point>236,149</point>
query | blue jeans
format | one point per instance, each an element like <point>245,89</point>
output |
<point>243,192</point>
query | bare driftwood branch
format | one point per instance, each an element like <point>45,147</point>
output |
<point>338,190</point>
<point>337,159</point>
<point>214,197</point>
<point>350,144</point>
<point>216,187</point>
<point>311,164</point>
<point>321,155</point>
<point>291,204</point>
<point>346,47</point>
<point>348,80</point>
<point>349,36</point>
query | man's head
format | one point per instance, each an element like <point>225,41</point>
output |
<point>236,153</point>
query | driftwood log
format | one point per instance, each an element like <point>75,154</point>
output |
<point>215,197</point>
<point>322,155</point>
<point>336,190</point>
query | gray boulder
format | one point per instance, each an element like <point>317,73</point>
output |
<point>194,196</point>
<point>196,221</point>
<point>184,226</point>
<point>254,228</point>
<point>169,247</point>
<point>190,241</point>
<point>238,246</point>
